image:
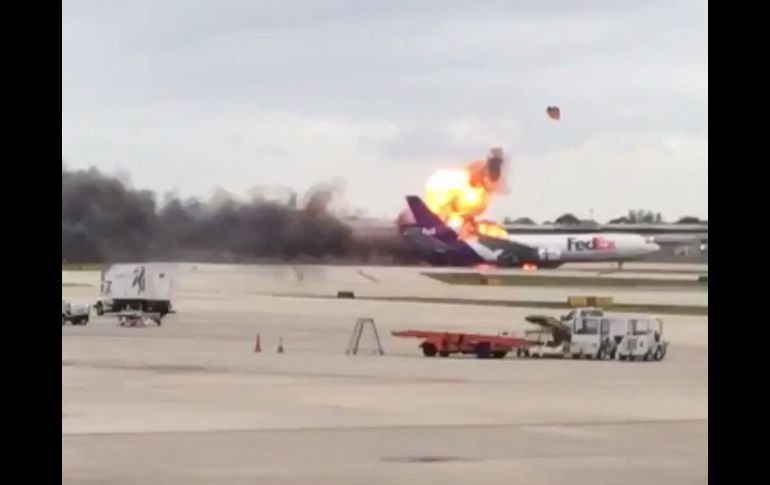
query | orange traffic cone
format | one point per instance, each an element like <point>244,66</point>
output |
<point>257,345</point>
<point>280,345</point>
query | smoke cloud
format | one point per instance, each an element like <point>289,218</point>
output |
<point>105,220</point>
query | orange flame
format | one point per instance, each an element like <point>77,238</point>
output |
<point>459,196</point>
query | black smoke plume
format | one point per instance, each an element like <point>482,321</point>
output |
<point>105,220</point>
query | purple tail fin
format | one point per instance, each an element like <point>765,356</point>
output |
<point>429,223</point>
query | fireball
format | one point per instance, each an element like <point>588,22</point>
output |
<point>492,229</point>
<point>459,196</point>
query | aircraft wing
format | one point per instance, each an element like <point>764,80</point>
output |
<point>510,248</point>
<point>493,242</point>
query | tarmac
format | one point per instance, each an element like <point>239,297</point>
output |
<point>191,402</point>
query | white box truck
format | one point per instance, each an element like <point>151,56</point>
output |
<point>147,287</point>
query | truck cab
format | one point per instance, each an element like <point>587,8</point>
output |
<point>643,340</point>
<point>596,337</point>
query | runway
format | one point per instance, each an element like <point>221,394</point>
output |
<point>195,282</point>
<point>191,402</point>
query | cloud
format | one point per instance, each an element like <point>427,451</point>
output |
<point>196,94</point>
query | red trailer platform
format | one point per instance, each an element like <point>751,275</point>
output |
<point>447,343</point>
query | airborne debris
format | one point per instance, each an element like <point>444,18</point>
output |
<point>554,112</point>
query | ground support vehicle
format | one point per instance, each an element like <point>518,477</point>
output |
<point>643,340</point>
<point>597,336</point>
<point>74,314</point>
<point>482,346</point>
<point>148,287</point>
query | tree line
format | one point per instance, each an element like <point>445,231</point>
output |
<point>640,216</point>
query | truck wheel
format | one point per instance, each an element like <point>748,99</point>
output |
<point>601,354</point>
<point>429,350</point>
<point>500,354</point>
<point>99,309</point>
<point>647,355</point>
<point>483,350</point>
<point>658,355</point>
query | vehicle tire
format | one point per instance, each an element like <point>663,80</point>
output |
<point>99,309</point>
<point>483,350</point>
<point>647,355</point>
<point>658,355</point>
<point>429,350</point>
<point>500,354</point>
<point>601,354</point>
<point>443,354</point>
<point>621,357</point>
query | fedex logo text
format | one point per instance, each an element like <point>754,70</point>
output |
<point>594,244</point>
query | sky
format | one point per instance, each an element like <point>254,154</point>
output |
<point>192,96</point>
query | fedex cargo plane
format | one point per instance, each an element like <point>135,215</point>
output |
<point>442,246</point>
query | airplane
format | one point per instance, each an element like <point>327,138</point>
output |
<point>442,247</point>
